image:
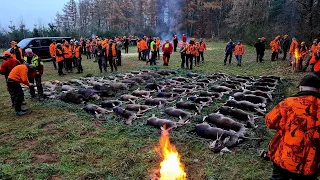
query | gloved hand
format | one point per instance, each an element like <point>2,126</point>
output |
<point>31,84</point>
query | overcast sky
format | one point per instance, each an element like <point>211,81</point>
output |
<point>32,11</point>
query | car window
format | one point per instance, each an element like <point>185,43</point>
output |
<point>35,43</point>
<point>23,43</point>
<point>45,42</point>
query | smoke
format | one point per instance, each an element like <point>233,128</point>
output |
<point>169,20</point>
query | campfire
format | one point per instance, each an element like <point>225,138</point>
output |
<point>170,168</point>
<point>296,55</point>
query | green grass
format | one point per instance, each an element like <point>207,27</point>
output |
<point>110,150</point>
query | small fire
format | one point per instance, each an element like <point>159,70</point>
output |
<point>296,54</point>
<point>170,168</point>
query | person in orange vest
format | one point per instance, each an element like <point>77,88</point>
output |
<point>16,51</point>
<point>60,59</point>
<point>68,55</point>
<point>167,49</point>
<point>144,49</point>
<point>189,49</point>
<point>19,74</point>
<point>238,52</point>
<point>52,49</point>
<point>303,51</point>
<point>315,61</point>
<point>196,54</point>
<point>312,51</point>
<point>74,62</point>
<point>202,49</point>
<point>112,55</point>
<point>88,49</point>
<point>7,65</point>
<point>77,56</point>
<point>275,47</point>
<point>294,149</point>
<point>158,43</point>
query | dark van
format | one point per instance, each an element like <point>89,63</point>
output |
<point>40,45</point>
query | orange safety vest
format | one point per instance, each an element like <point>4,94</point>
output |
<point>52,49</point>
<point>114,51</point>
<point>143,45</point>
<point>68,51</point>
<point>294,46</point>
<point>239,50</point>
<point>77,51</point>
<point>314,60</point>
<point>138,47</point>
<point>189,49</point>
<point>59,58</point>
<point>158,43</point>
<point>203,47</point>
<point>275,46</point>
<point>196,50</point>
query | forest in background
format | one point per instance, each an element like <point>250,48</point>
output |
<point>219,19</point>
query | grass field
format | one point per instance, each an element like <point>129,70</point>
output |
<point>78,147</point>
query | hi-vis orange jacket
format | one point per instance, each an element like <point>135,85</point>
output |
<point>59,55</point>
<point>52,49</point>
<point>294,46</point>
<point>314,59</point>
<point>239,50</point>
<point>275,45</point>
<point>143,45</point>
<point>113,49</point>
<point>296,145</point>
<point>20,74</point>
<point>77,53</point>
<point>189,49</point>
<point>203,47</point>
<point>68,51</point>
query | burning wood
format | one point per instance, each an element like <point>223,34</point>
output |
<point>170,168</point>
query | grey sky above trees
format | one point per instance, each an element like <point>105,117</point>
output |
<point>31,11</point>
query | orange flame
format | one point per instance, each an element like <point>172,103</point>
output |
<point>171,167</point>
<point>296,54</point>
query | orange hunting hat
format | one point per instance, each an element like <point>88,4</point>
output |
<point>6,54</point>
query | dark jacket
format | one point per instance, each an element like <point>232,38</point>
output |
<point>230,47</point>
<point>260,46</point>
<point>100,51</point>
<point>285,44</point>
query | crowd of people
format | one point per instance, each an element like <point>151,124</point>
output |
<point>294,150</point>
<point>19,68</point>
<point>190,52</point>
